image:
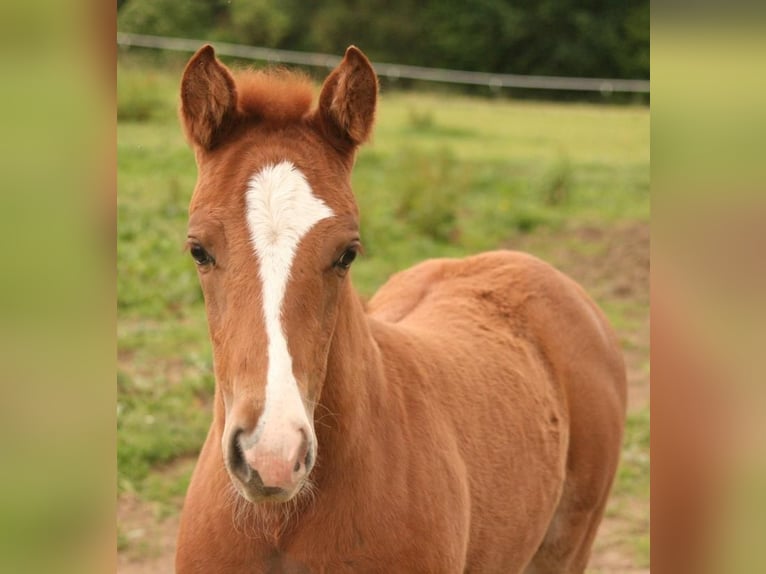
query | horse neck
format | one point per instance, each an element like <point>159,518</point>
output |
<point>353,381</point>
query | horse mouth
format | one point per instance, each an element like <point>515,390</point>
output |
<point>256,492</point>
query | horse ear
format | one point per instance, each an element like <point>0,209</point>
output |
<point>348,97</point>
<point>208,98</point>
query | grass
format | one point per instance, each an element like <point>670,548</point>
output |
<point>632,482</point>
<point>444,175</point>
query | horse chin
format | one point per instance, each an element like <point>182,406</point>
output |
<point>268,495</point>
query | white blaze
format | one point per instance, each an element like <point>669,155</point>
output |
<point>281,209</point>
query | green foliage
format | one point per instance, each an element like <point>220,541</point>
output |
<point>185,19</point>
<point>556,183</point>
<point>259,22</point>
<point>421,119</point>
<point>633,474</point>
<point>631,486</point>
<point>140,94</point>
<point>155,423</point>
<point>428,192</point>
<point>155,178</point>
<point>549,37</point>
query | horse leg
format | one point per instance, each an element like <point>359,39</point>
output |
<point>567,543</point>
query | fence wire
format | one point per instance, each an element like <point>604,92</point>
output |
<point>392,71</point>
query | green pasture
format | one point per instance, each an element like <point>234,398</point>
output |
<point>444,175</point>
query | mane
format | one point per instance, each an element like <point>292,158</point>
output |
<point>275,94</point>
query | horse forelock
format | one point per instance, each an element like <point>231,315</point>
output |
<point>274,94</point>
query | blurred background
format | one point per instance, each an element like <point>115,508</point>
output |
<point>453,168</point>
<point>602,39</point>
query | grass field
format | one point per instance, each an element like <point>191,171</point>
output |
<point>444,175</point>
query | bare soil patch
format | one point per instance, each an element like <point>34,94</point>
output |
<point>148,540</point>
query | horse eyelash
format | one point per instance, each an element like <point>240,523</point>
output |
<point>188,242</point>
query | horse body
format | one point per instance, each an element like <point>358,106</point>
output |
<point>541,388</point>
<point>468,418</point>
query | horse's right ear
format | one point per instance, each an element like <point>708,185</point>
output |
<point>208,98</point>
<point>348,98</point>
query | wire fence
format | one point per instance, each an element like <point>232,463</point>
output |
<point>392,71</point>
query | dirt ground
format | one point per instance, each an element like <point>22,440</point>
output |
<point>612,264</point>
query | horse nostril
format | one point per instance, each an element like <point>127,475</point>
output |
<point>236,457</point>
<point>308,459</point>
<point>304,458</point>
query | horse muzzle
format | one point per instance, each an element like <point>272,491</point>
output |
<point>270,464</point>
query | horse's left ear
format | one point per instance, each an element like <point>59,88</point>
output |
<point>347,101</point>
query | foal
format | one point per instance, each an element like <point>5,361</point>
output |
<point>468,419</point>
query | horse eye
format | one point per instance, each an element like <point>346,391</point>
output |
<point>200,256</point>
<point>345,260</point>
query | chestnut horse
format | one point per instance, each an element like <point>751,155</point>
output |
<point>466,419</point>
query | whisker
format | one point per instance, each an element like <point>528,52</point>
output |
<point>328,413</point>
<point>267,520</point>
